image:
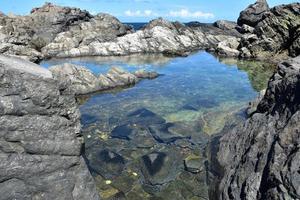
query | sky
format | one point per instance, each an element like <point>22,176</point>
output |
<point>145,10</point>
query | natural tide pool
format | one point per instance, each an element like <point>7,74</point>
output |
<point>148,141</point>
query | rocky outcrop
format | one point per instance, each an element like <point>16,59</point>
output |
<point>159,36</point>
<point>40,147</point>
<point>252,15</point>
<point>83,81</point>
<point>263,160</point>
<point>273,32</point>
<point>25,36</point>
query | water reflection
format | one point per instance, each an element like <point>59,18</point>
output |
<point>147,142</point>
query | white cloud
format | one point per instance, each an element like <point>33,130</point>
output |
<point>139,13</point>
<point>185,13</point>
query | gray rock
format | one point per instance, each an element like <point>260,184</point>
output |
<point>159,36</point>
<point>143,74</point>
<point>260,156</point>
<point>226,25</point>
<point>83,81</point>
<point>277,33</point>
<point>253,13</point>
<point>40,147</point>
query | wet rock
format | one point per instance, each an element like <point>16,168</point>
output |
<point>161,167</point>
<point>259,164</point>
<point>39,136</point>
<point>144,117</point>
<point>124,132</point>
<point>193,163</point>
<point>106,163</point>
<point>164,133</point>
<point>200,103</point>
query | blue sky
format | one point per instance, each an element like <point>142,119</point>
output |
<point>145,10</point>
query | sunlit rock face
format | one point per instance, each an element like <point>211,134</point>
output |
<point>263,160</point>
<point>40,147</point>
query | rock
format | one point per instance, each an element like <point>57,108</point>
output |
<point>159,36</point>
<point>120,77</point>
<point>27,35</point>
<point>277,33</point>
<point>253,13</point>
<point>261,162</point>
<point>107,163</point>
<point>247,29</point>
<point>39,136</point>
<point>161,167</point>
<point>166,133</point>
<point>253,104</point>
<point>228,48</point>
<point>193,163</point>
<point>83,81</point>
<point>142,74</point>
<point>200,103</point>
<point>225,25</point>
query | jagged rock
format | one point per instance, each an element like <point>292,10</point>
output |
<point>228,48</point>
<point>263,160</point>
<point>253,13</point>
<point>40,148</point>
<point>159,36</point>
<point>246,29</point>
<point>277,32</point>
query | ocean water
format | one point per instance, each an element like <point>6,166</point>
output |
<point>145,141</point>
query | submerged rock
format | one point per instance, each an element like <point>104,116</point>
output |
<point>263,160</point>
<point>161,167</point>
<point>193,163</point>
<point>106,163</point>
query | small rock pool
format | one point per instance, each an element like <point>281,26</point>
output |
<point>148,141</point>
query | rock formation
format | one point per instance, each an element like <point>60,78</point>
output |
<point>40,146</point>
<point>159,36</point>
<point>263,160</point>
<point>271,32</point>
<point>83,81</point>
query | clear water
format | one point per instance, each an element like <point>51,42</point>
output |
<point>171,116</point>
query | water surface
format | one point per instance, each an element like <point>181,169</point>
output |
<point>148,141</point>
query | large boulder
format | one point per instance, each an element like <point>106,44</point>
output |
<point>261,157</point>
<point>253,13</point>
<point>40,146</point>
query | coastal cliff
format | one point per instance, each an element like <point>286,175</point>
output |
<point>261,156</point>
<point>40,144</point>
